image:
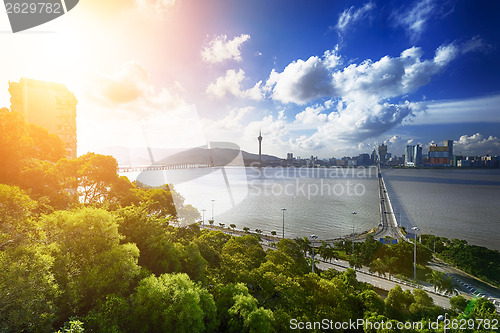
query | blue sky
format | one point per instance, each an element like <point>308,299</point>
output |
<point>318,77</point>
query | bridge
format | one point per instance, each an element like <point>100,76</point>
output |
<point>388,226</point>
<point>175,166</point>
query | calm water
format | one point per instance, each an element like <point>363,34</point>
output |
<point>317,201</point>
<point>452,203</point>
<point>461,204</point>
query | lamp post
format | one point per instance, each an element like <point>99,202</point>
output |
<point>213,209</point>
<point>283,209</point>
<point>443,318</point>
<point>203,220</point>
<point>313,237</point>
<point>415,229</point>
<point>353,213</point>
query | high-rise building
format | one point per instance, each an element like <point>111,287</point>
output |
<point>364,159</point>
<point>49,105</point>
<point>413,155</point>
<point>441,155</point>
<point>382,153</point>
<point>374,156</point>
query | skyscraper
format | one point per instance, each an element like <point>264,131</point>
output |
<point>49,105</point>
<point>382,152</point>
<point>413,155</point>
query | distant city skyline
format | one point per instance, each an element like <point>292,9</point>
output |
<point>328,78</point>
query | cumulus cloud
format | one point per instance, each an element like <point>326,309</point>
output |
<point>303,81</point>
<point>361,97</point>
<point>232,121</point>
<point>416,18</point>
<point>352,15</point>
<point>220,49</point>
<point>130,91</point>
<point>477,144</point>
<point>311,115</point>
<point>127,85</point>
<point>230,84</point>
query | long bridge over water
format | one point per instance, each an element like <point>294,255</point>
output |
<point>175,166</point>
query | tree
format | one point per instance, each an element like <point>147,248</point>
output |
<point>273,233</point>
<point>398,303</point>
<point>46,146</point>
<point>28,290</point>
<point>238,311</point>
<point>14,145</point>
<point>90,262</point>
<point>173,303</point>
<point>458,303</point>
<point>15,209</point>
<point>355,262</point>
<point>239,256</point>
<point>304,244</point>
<point>378,266</point>
<point>246,229</point>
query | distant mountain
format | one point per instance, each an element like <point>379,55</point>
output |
<point>219,156</point>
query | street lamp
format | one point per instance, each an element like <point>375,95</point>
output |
<point>203,220</point>
<point>213,209</point>
<point>283,209</point>
<point>353,213</point>
<point>443,318</point>
<point>313,237</point>
<point>415,229</point>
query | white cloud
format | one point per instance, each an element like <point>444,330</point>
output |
<point>352,15</point>
<point>415,19</point>
<point>311,115</point>
<point>230,84</point>
<point>126,109</point>
<point>232,121</point>
<point>476,144</point>
<point>220,49</point>
<point>274,130</point>
<point>481,109</point>
<point>360,104</point>
<point>302,81</point>
<point>161,6</point>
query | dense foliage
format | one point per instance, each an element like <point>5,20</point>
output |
<point>475,260</point>
<point>82,249</point>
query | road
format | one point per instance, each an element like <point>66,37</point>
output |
<point>363,275</point>
<point>389,225</point>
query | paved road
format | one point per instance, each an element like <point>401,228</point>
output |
<point>389,227</point>
<point>364,276</point>
<point>466,284</point>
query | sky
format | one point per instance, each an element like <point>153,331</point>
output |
<point>318,77</point>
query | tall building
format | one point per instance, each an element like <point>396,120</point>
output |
<point>382,153</point>
<point>364,159</point>
<point>413,155</point>
<point>374,156</point>
<point>49,105</point>
<point>260,148</point>
<point>441,155</point>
